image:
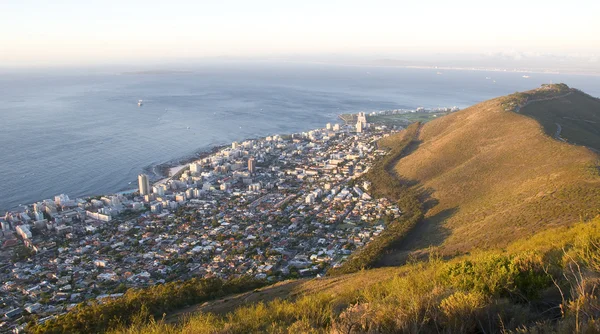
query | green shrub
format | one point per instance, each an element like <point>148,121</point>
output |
<point>521,277</point>
<point>461,309</point>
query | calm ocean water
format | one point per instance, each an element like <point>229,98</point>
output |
<point>82,133</point>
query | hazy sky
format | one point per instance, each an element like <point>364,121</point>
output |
<point>41,32</point>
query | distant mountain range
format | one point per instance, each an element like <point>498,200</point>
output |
<point>502,61</point>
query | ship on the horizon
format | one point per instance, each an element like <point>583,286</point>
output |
<point>140,103</point>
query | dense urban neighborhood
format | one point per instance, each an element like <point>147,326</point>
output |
<point>273,208</point>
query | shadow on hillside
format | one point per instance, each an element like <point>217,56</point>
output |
<point>428,233</point>
<point>573,118</point>
<point>391,167</point>
<point>425,194</point>
<point>412,147</point>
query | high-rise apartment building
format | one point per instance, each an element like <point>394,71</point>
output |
<point>251,165</point>
<point>144,184</point>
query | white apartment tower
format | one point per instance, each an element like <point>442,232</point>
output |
<point>195,168</point>
<point>362,117</point>
<point>359,127</point>
<point>144,184</point>
<point>361,122</point>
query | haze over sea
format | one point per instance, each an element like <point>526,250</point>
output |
<point>81,133</point>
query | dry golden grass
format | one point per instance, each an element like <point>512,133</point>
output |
<point>496,177</point>
<point>290,290</point>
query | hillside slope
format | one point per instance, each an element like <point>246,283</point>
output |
<point>495,176</point>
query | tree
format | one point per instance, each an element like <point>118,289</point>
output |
<point>21,253</point>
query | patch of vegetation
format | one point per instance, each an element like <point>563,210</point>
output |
<point>404,119</point>
<point>142,305</point>
<point>517,100</point>
<point>21,253</point>
<point>348,118</point>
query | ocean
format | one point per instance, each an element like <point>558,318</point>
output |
<point>81,132</point>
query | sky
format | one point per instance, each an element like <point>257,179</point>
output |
<point>68,32</point>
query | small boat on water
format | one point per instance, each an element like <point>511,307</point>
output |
<point>140,103</point>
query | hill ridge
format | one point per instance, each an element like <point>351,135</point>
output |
<point>493,173</point>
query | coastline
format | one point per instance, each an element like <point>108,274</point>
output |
<point>157,173</point>
<point>179,165</point>
<point>163,170</point>
<point>508,69</point>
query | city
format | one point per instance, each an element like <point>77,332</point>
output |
<point>177,167</point>
<point>284,206</point>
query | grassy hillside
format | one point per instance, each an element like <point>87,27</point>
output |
<point>544,284</point>
<point>404,119</point>
<point>141,305</point>
<point>495,176</point>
